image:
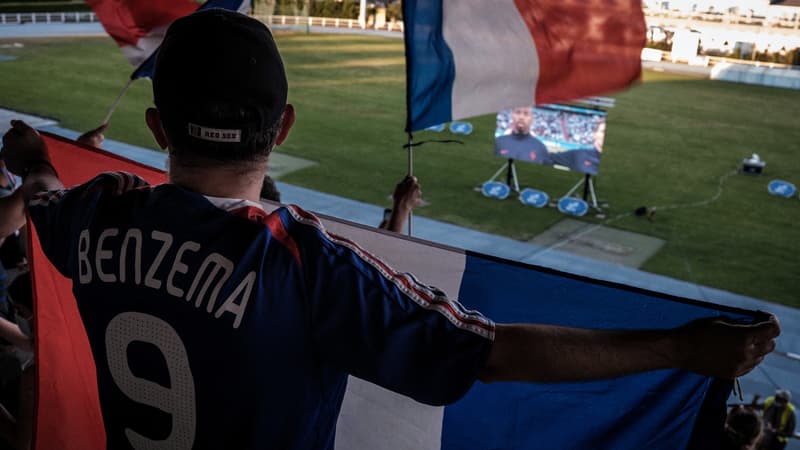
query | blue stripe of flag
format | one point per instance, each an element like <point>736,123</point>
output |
<point>665,409</point>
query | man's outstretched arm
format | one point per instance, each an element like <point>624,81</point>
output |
<point>544,353</point>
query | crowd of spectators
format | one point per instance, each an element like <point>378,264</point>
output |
<point>761,426</point>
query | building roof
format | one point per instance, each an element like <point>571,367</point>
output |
<point>794,3</point>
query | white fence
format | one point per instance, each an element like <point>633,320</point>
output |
<point>654,55</point>
<point>328,22</point>
<point>775,21</point>
<point>302,21</point>
<point>59,17</point>
<point>85,16</point>
<point>764,76</point>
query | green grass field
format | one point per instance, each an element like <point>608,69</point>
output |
<point>669,141</point>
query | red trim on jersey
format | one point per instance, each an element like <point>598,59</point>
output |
<point>279,232</point>
<point>252,213</point>
<point>275,225</point>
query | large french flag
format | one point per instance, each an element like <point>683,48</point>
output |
<point>138,26</point>
<point>470,57</point>
<point>665,409</point>
<point>659,410</point>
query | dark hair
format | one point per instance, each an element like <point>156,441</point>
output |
<point>257,147</point>
<point>742,428</point>
<point>269,191</point>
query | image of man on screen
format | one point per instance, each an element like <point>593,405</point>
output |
<point>518,142</point>
<point>583,159</point>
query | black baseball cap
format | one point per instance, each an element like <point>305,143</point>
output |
<point>219,76</point>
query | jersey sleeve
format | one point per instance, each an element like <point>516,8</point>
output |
<point>386,327</point>
<point>59,216</point>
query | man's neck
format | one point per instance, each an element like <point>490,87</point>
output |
<point>228,181</point>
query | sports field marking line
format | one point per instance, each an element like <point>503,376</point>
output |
<point>585,230</point>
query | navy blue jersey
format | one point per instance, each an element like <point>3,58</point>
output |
<point>586,160</point>
<point>215,325</point>
<point>522,147</point>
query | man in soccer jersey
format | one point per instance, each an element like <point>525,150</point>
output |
<point>518,142</point>
<point>216,325</point>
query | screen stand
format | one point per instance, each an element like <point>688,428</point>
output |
<point>511,175</point>
<point>588,191</point>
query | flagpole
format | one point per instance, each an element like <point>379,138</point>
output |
<point>410,172</point>
<point>116,102</point>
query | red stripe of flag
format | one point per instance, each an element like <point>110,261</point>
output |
<point>128,20</point>
<point>585,47</point>
<point>67,410</point>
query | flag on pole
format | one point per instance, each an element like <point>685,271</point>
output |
<point>146,68</point>
<point>138,26</point>
<point>665,409</point>
<point>470,57</point>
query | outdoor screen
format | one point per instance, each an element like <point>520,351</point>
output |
<point>554,135</point>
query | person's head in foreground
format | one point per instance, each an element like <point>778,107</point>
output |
<point>742,429</point>
<point>269,191</point>
<point>220,92</point>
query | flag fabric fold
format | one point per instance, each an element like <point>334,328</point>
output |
<point>146,68</point>
<point>666,409</point>
<point>470,57</point>
<point>138,26</point>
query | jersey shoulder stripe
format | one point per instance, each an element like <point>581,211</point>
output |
<point>120,182</point>
<point>279,232</point>
<point>422,295</point>
<point>254,212</point>
<point>44,198</point>
<point>116,183</point>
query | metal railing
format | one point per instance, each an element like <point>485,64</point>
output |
<point>45,17</point>
<point>711,61</point>
<point>87,17</point>
<point>728,18</point>
<point>328,22</point>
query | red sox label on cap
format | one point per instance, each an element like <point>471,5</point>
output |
<point>215,134</point>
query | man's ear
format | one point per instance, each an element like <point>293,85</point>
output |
<point>153,119</point>
<point>287,120</point>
